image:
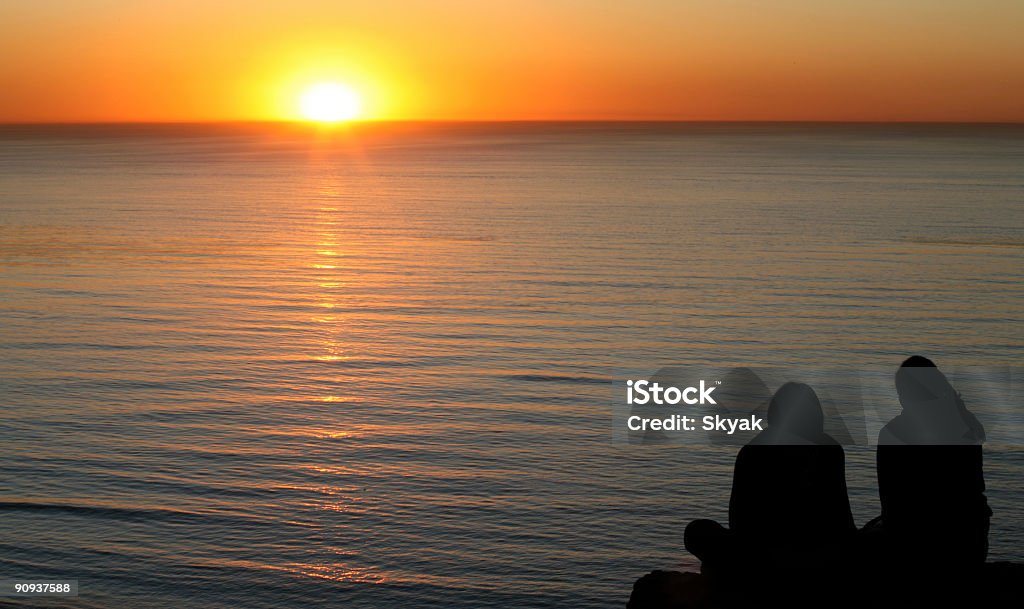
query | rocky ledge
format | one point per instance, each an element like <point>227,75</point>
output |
<point>995,585</point>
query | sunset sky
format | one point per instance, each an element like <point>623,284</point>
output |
<point>199,60</point>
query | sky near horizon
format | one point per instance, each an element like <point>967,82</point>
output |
<point>196,60</point>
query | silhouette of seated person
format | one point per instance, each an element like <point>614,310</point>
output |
<point>789,512</point>
<point>935,517</point>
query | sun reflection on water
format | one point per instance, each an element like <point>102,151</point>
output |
<point>340,572</point>
<point>331,345</point>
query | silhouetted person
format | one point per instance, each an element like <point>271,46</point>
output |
<point>789,512</point>
<point>935,517</point>
<point>789,487</point>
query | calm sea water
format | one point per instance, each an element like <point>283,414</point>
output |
<point>261,367</point>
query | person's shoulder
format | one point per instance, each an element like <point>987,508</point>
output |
<point>977,430</point>
<point>889,434</point>
<point>829,450</point>
<point>752,456</point>
<point>827,440</point>
<point>746,451</point>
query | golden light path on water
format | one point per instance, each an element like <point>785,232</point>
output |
<point>369,366</point>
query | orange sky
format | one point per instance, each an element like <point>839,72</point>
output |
<point>196,60</point>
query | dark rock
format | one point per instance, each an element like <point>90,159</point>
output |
<point>995,585</point>
<point>670,590</point>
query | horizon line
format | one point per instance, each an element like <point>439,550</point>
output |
<point>352,123</point>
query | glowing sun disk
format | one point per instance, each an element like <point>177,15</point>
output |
<point>329,102</point>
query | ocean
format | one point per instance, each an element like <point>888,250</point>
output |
<point>273,366</point>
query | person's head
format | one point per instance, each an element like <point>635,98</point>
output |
<point>795,409</point>
<point>933,411</point>
<point>919,380</point>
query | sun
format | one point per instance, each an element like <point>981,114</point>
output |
<point>329,102</point>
